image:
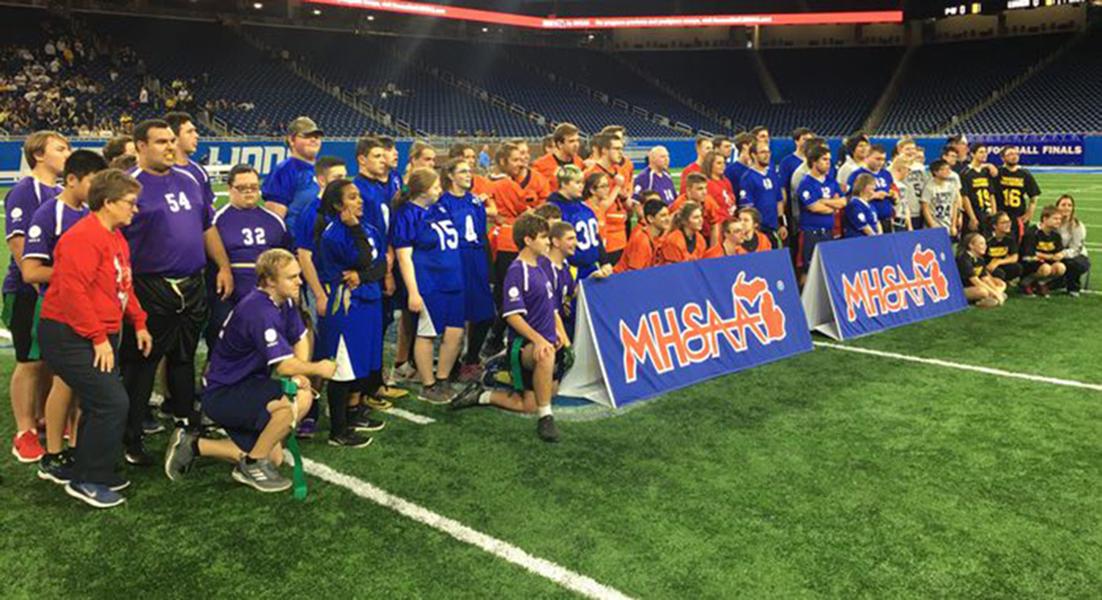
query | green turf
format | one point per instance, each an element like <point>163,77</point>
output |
<point>831,474</point>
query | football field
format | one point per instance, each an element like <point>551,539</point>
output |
<point>960,457</point>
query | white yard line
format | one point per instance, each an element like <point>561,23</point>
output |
<point>963,367</point>
<point>409,416</point>
<point>558,574</point>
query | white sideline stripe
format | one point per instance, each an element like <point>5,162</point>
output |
<point>4,333</point>
<point>953,365</point>
<point>568,579</point>
<point>410,416</point>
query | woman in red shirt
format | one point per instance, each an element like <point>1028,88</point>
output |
<point>91,292</point>
<point>719,187</point>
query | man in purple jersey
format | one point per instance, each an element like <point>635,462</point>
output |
<point>656,177</point>
<point>45,152</point>
<point>297,171</point>
<point>170,238</point>
<point>263,336</point>
<point>247,231</point>
<point>187,142</point>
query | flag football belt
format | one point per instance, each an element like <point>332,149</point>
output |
<point>290,388</point>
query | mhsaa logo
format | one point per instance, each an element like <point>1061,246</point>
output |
<point>669,338</point>
<point>889,290</point>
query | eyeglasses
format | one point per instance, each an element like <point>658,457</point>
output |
<point>247,189</point>
<point>133,203</point>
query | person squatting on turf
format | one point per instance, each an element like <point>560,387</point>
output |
<point>91,295</point>
<point>53,218</point>
<point>1043,254</point>
<point>1073,236</point>
<point>264,335</point>
<point>979,285</point>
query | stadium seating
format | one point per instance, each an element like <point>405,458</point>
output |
<point>1063,97</point>
<point>944,80</point>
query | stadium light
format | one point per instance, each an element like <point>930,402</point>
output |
<point>258,5</point>
<point>652,22</point>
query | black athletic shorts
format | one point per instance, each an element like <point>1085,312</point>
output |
<point>178,312</point>
<point>21,311</point>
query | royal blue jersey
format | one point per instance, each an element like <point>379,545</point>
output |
<point>787,167</point>
<point>257,335</point>
<point>763,192</point>
<point>435,242</point>
<point>469,215</point>
<point>378,197</point>
<point>300,201</point>
<point>339,252</point>
<point>246,234</point>
<point>812,190</point>
<point>884,182</point>
<point>304,232</point>
<point>20,205</point>
<point>859,214</point>
<point>528,293</point>
<point>590,249</point>
<point>166,235</point>
<point>286,180</point>
<point>734,172</point>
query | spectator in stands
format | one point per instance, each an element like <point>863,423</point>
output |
<point>979,184</point>
<point>860,217</point>
<point>484,160</point>
<point>283,185</point>
<point>759,188</point>
<point>857,149</point>
<point>566,141</point>
<point>820,200</point>
<point>656,176</point>
<point>696,191</point>
<point>118,146</point>
<point>612,205</point>
<point>266,337</point>
<point>642,250</point>
<point>731,242</point>
<point>753,238</point>
<point>882,200</point>
<point>1073,237</point>
<point>1043,254</point>
<point>979,286</point>
<point>719,189</point>
<point>426,244</point>
<point>703,147</point>
<point>684,241</point>
<point>1018,189</point>
<point>46,153</point>
<point>1002,249</point>
<point>941,198</point>
<point>90,296</point>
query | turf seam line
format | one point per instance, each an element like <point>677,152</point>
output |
<point>964,367</point>
<point>409,416</point>
<point>566,578</point>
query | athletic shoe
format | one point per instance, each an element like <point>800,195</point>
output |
<point>350,439</point>
<point>26,448</point>
<point>401,374</point>
<point>437,393</point>
<point>94,494</point>
<point>391,393</point>
<point>546,429</point>
<point>54,467</point>
<point>362,421</point>
<point>468,396</point>
<point>1043,291</point>
<point>156,400</point>
<point>378,403</point>
<point>493,347</point>
<point>116,483</point>
<point>307,428</point>
<point>152,426</point>
<point>1073,293</point>
<point>469,373</point>
<point>138,457</point>
<point>1027,290</point>
<point>261,475</point>
<point>180,454</point>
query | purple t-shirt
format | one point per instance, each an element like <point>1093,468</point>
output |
<point>529,293</point>
<point>247,234</point>
<point>51,220</point>
<point>562,282</point>
<point>257,335</point>
<point>200,174</point>
<point>19,207</point>
<point>657,182</point>
<point>166,235</point>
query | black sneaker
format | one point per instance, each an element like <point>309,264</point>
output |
<point>350,439</point>
<point>468,396</point>
<point>361,421</point>
<point>546,429</point>
<point>493,348</point>
<point>152,426</point>
<point>53,467</point>
<point>137,456</point>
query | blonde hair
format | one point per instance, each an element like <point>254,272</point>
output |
<point>36,144</point>
<point>270,263</point>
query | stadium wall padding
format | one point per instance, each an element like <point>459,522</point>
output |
<point>266,153</point>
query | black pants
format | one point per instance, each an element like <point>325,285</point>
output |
<point>103,400</point>
<point>1008,272</point>
<point>177,313</point>
<point>501,267</point>
<point>1077,267</point>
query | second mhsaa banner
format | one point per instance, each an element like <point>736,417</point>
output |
<point>643,333</point>
<point>860,286</point>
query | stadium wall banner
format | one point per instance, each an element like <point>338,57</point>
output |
<point>860,286</point>
<point>644,333</point>
<point>1062,149</point>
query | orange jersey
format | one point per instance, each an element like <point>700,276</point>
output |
<point>547,165</point>
<point>692,168</point>
<point>481,186</point>
<point>713,213</point>
<point>613,220</point>
<point>640,253</point>
<point>675,250</point>
<point>510,201</point>
<point>764,244</point>
<point>536,189</point>
<point>718,251</point>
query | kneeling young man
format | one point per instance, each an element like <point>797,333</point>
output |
<point>536,332</point>
<point>264,331</point>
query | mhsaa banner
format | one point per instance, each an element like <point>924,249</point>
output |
<point>860,286</point>
<point>643,333</point>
